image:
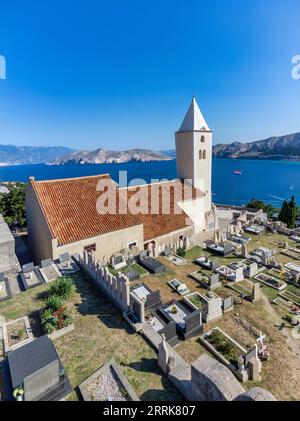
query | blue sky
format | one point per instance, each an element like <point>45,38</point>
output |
<point>120,74</point>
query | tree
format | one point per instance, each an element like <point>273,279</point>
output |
<point>259,204</point>
<point>288,213</point>
<point>12,205</point>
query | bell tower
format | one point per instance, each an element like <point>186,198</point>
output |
<point>194,152</point>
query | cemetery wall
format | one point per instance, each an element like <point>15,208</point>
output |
<point>116,288</point>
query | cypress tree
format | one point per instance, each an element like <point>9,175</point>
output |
<point>288,213</point>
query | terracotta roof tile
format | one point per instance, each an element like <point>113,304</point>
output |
<point>70,208</point>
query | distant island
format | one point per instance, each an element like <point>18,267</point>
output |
<point>101,156</point>
<point>274,148</point>
<point>277,148</point>
<point>24,155</point>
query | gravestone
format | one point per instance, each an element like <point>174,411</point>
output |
<point>239,274</point>
<point>254,369</point>
<point>253,269</point>
<point>250,354</point>
<point>227,249</point>
<point>228,304</point>
<point>63,258</point>
<point>255,296</point>
<point>214,280</point>
<point>137,307</point>
<point>264,258</point>
<point>28,267</point>
<point>244,251</point>
<point>215,264</point>
<point>46,263</point>
<point>193,324</point>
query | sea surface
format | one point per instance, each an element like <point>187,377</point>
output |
<point>271,181</point>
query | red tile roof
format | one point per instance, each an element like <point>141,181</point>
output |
<point>70,208</point>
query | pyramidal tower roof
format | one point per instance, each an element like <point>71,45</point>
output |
<point>193,119</point>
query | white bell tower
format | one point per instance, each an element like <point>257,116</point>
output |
<point>194,152</point>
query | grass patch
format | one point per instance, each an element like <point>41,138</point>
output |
<point>100,334</point>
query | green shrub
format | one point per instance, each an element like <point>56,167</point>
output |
<point>180,252</point>
<point>62,287</point>
<point>49,321</point>
<point>53,302</point>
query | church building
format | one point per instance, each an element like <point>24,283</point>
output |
<point>63,215</point>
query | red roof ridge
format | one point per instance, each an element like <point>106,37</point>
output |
<point>53,180</point>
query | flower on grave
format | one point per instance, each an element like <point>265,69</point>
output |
<point>19,391</point>
<point>174,309</point>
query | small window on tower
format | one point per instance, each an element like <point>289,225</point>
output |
<point>202,139</point>
<point>200,154</point>
<point>204,155</point>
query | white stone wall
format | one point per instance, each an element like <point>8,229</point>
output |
<point>116,288</point>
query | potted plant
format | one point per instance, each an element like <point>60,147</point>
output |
<point>18,393</point>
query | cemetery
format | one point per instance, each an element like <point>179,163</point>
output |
<point>287,305</point>
<point>207,281</point>
<point>153,313</point>
<point>240,239</point>
<point>188,321</point>
<point>204,262</point>
<point>34,372</point>
<point>231,353</point>
<point>223,249</point>
<point>16,333</point>
<point>244,289</point>
<point>133,271</point>
<point>31,276</point>
<point>292,253</point>
<point>271,281</point>
<point>280,274</point>
<point>49,270</point>
<point>5,291</point>
<point>67,265</point>
<point>177,260</point>
<point>255,229</point>
<point>234,274</point>
<point>208,303</point>
<point>290,296</point>
<point>108,383</point>
<point>55,315</point>
<point>179,287</point>
<point>151,264</point>
<point>151,299</point>
<point>163,326</point>
<point>292,267</point>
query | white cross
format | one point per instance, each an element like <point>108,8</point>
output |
<point>261,339</point>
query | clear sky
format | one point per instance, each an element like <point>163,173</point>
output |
<point>119,74</point>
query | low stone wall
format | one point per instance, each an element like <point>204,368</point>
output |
<point>116,288</point>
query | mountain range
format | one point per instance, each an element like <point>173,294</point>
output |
<point>277,148</point>
<point>23,155</point>
<point>101,156</point>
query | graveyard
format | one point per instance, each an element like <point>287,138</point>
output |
<point>100,332</point>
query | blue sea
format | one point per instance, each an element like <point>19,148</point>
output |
<point>271,181</point>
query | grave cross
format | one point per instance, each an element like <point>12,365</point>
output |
<point>59,314</point>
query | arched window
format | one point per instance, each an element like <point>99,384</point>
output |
<point>202,139</point>
<point>200,154</point>
<point>204,155</point>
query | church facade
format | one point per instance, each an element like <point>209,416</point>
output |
<point>64,215</point>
